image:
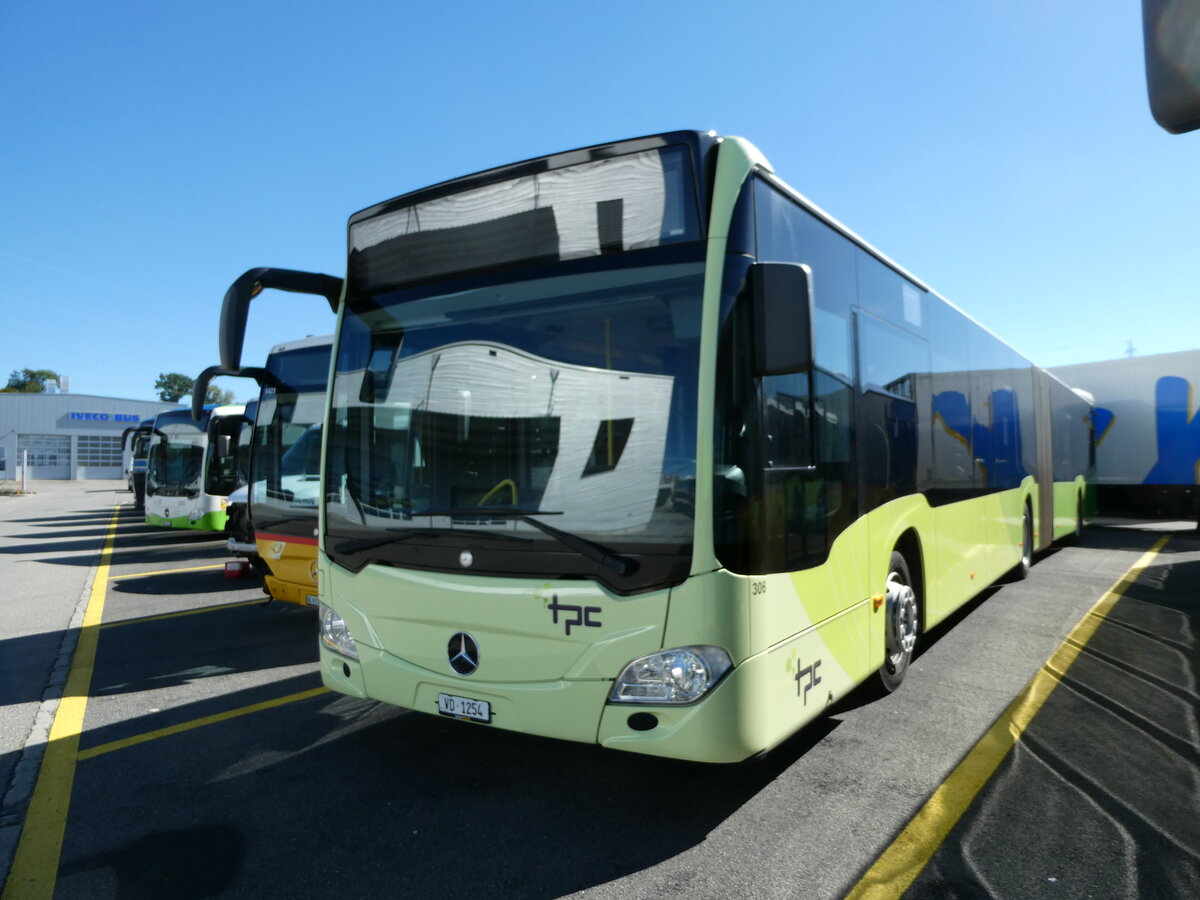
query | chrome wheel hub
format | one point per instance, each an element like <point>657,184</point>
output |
<point>901,616</point>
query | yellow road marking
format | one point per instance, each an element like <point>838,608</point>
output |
<point>257,601</point>
<point>35,866</point>
<point>101,749</point>
<point>910,852</point>
<point>167,572</point>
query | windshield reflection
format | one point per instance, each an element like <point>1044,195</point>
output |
<point>176,458</point>
<point>570,396</point>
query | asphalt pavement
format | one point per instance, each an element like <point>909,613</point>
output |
<point>206,759</point>
<point>50,540</point>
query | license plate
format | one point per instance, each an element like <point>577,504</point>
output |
<point>464,708</point>
<point>312,600</point>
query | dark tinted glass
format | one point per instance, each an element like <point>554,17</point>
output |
<point>1070,432</point>
<point>786,485</point>
<point>894,367</point>
<point>889,295</point>
<point>891,359</point>
<point>304,369</point>
<point>789,233</point>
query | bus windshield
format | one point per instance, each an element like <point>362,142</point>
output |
<point>176,461</point>
<point>570,399</point>
<point>141,445</point>
<point>287,457</point>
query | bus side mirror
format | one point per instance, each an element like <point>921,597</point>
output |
<point>236,306</point>
<point>235,309</point>
<point>258,373</point>
<point>782,304</point>
<point>1171,33</point>
<point>223,446</point>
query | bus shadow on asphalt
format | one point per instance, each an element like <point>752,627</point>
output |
<point>203,549</point>
<point>22,680</point>
<point>176,584</point>
<point>92,537</point>
<point>190,863</point>
<point>534,817</point>
<point>159,653</point>
<point>1113,537</point>
<point>68,519</point>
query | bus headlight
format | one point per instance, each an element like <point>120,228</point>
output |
<point>335,634</point>
<point>681,675</point>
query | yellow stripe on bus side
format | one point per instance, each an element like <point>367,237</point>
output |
<point>910,852</point>
<point>35,866</point>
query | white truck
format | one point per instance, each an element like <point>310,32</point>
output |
<point>1147,432</point>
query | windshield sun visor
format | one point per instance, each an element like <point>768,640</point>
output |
<point>599,207</point>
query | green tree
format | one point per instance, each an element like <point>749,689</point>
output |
<point>171,386</point>
<point>30,381</point>
<point>218,397</point>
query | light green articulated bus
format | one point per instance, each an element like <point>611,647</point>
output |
<point>633,445</point>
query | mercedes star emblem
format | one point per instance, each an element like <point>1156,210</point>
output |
<point>463,653</point>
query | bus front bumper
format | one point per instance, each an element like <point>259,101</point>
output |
<point>722,727</point>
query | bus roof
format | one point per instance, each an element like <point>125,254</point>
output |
<point>303,343</point>
<point>179,415</point>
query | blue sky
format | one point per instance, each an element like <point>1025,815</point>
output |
<point>150,152</point>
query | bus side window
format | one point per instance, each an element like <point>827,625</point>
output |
<point>893,370</point>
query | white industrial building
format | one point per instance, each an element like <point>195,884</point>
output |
<point>67,436</point>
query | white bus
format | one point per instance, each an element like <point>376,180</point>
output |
<point>192,467</point>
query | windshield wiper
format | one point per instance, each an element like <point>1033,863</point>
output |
<point>395,535</point>
<point>358,545</point>
<point>597,553</point>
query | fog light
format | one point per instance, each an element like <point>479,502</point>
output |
<point>681,675</point>
<point>335,634</point>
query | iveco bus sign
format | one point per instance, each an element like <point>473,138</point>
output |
<point>102,417</point>
<point>97,421</point>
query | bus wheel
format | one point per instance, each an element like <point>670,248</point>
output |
<point>1022,568</point>
<point>903,618</point>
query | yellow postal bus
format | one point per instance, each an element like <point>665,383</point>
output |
<point>285,468</point>
<point>279,529</point>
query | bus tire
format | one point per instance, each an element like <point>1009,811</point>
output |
<point>902,623</point>
<point>1021,570</point>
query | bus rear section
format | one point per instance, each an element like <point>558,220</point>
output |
<point>634,445</point>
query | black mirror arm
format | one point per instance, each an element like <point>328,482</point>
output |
<point>258,373</point>
<point>235,308</point>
